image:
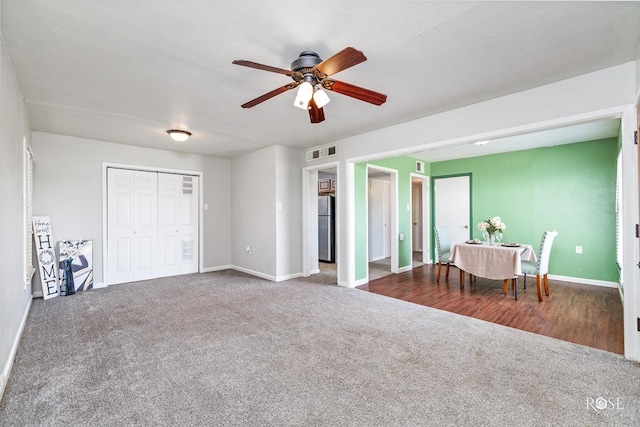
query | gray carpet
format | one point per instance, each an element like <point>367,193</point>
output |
<point>228,349</point>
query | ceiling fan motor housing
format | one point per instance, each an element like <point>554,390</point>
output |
<point>306,61</point>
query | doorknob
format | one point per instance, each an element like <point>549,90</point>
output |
<point>466,227</point>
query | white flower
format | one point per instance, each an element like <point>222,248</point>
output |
<point>492,225</point>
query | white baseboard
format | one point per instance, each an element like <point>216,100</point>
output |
<point>254,273</point>
<point>267,276</point>
<point>217,268</point>
<point>14,348</point>
<point>378,258</point>
<point>359,282</point>
<point>315,271</point>
<point>582,281</point>
<point>288,277</point>
<point>405,268</point>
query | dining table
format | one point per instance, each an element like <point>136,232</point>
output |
<point>492,261</point>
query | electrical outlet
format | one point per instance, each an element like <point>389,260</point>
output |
<point>249,250</point>
<point>578,249</point>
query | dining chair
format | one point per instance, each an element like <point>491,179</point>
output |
<point>443,249</point>
<point>541,267</point>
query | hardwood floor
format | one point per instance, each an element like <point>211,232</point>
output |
<point>582,314</point>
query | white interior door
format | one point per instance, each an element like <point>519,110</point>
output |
<point>386,205</point>
<point>145,225</point>
<point>376,220</point>
<point>152,225</point>
<point>416,215</point>
<point>177,224</point>
<point>131,225</point>
<point>169,224</point>
<point>188,224</point>
<point>452,206</point>
<point>120,191</point>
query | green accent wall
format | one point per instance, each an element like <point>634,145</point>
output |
<point>360,185</point>
<point>405,166</point>
<point>569,188</point>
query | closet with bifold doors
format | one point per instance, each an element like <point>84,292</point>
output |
<point>152,224</point>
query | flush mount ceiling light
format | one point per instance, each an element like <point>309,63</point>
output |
<point>481,143</point>
<point>179,135</point>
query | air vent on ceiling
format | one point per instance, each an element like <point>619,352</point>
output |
<point>321,153</point>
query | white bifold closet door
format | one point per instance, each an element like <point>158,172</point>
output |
<point>152,225</point>
<point>177,224</point>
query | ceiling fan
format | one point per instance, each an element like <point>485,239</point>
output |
<point>310,75</point>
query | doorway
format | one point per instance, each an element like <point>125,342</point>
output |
<point>321,246</point>
<point>382,247</point>
<point>420,220</point>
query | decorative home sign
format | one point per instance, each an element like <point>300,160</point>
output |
<point>46,256</point>
<point>76,266</point>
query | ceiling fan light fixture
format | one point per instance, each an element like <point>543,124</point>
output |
<point>303,96</point>
<point>179,135</point>
<point>321,98</point>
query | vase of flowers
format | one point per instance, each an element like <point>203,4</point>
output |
<point>491,227</point>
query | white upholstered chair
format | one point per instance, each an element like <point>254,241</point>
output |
<point>443,249</point>
<point>541,267</point>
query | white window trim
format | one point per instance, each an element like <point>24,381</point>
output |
<point>27,203</point>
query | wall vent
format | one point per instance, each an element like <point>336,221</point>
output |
<point>187,184</point>
<point>420,167</point>
<point>320,153</point>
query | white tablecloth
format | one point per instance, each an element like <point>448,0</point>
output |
<point>491,262</point>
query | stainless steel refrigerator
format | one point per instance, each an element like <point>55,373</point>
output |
<point>326,228</point>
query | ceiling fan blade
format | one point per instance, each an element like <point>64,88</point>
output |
<point>347,57</point>
<point>355,92</point>
<point>315,114</point>
<point>252,64</point>
<point>269,95</point>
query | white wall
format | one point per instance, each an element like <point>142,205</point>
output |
<point>15,296</point>
<point>68,189</point>
<point>288,212</point>
<point>638,80</point>
<point>266,212</point>
<point>253,212</point>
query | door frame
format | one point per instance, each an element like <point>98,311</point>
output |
<point>393,232</point>
<point>310,218</point>
<point>426,215</point>
<point>433,206</point>
<point>382,217</point>
<point>107,165</point>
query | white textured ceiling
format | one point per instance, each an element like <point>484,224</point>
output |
<point>126,71</point>
<point>588,131</point>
